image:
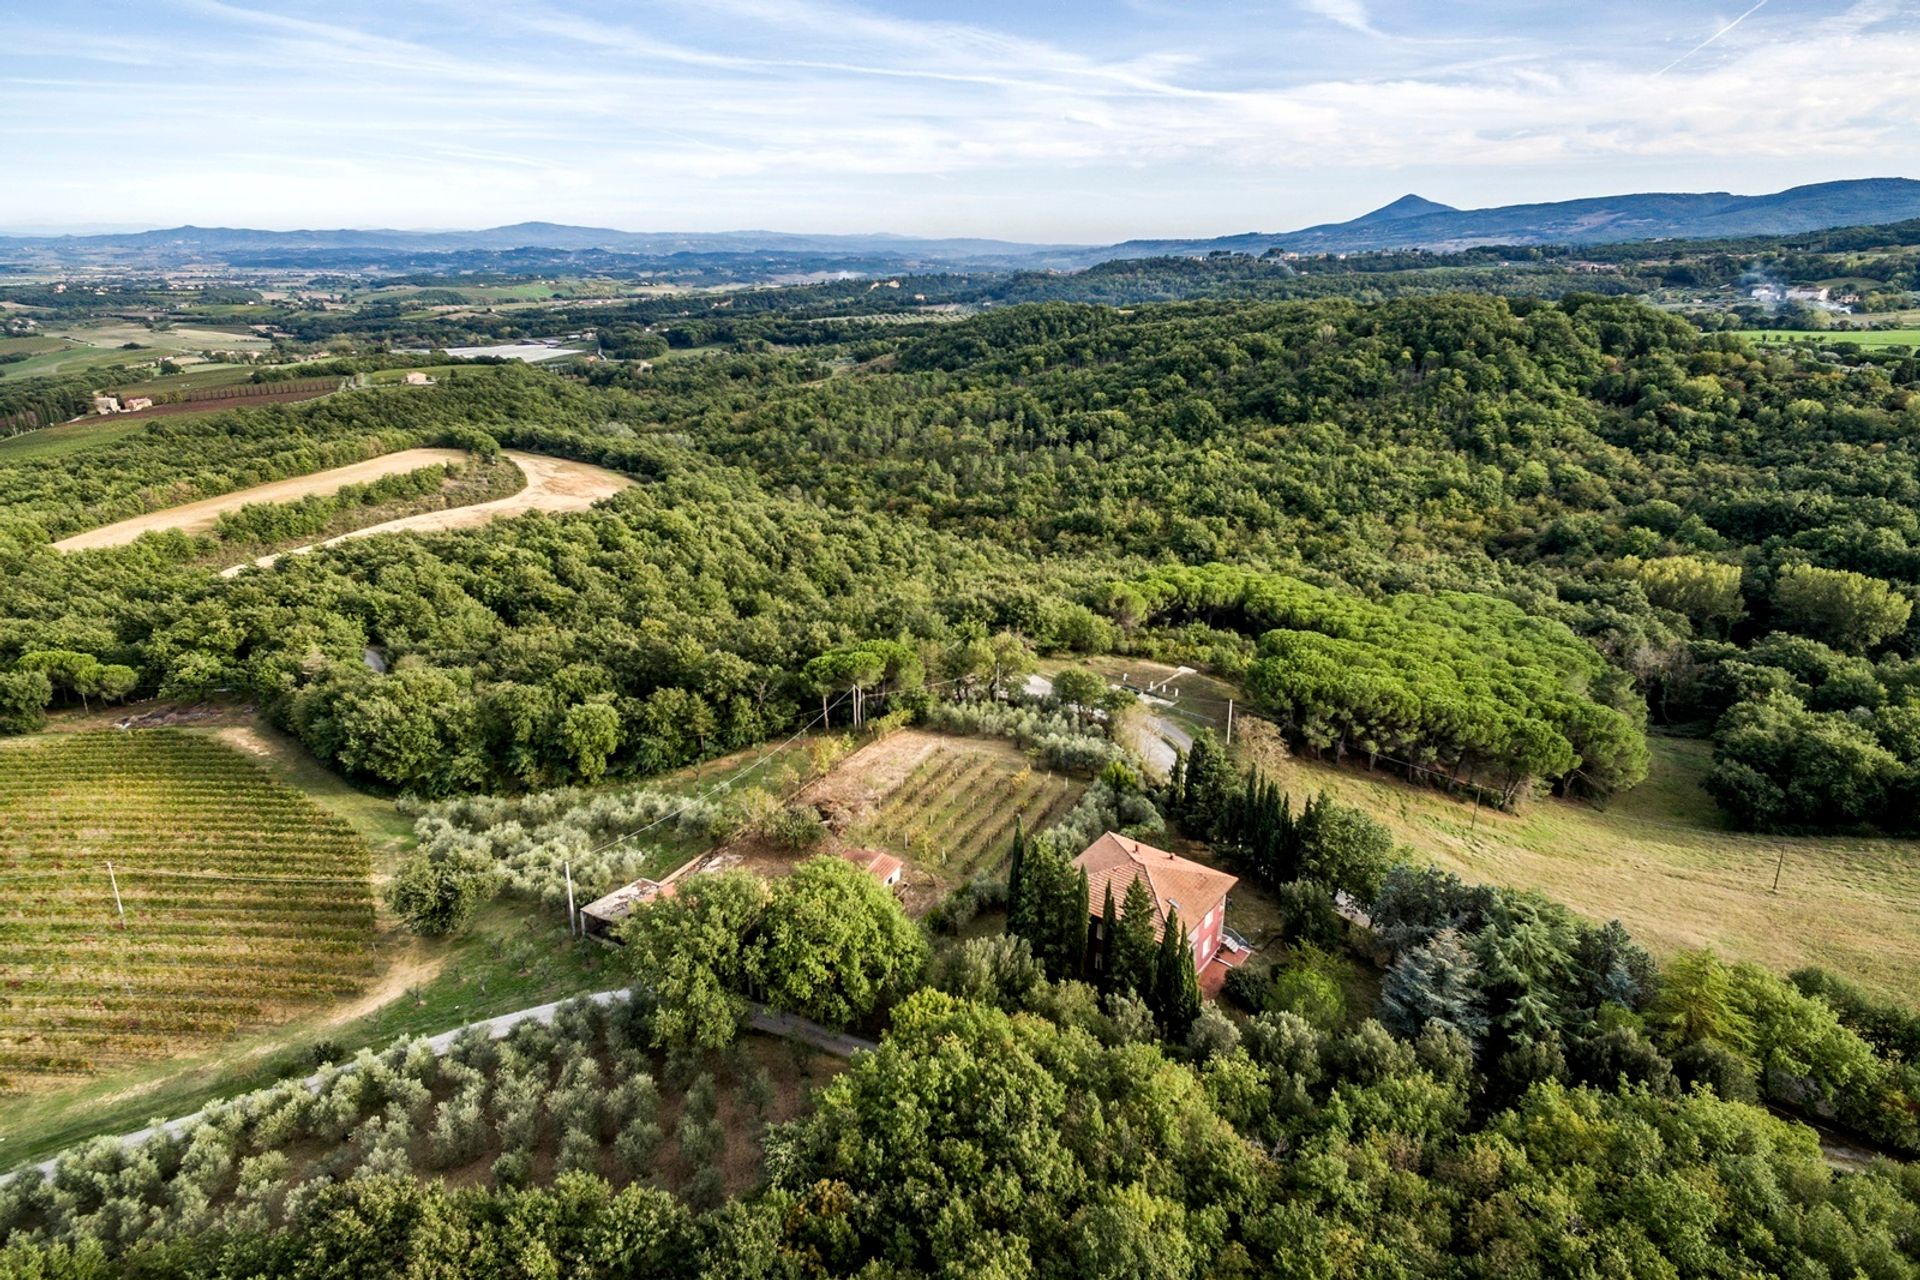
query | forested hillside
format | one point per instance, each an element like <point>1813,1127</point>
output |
<point>1730,534</point>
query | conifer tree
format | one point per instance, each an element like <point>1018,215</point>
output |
<point>1209,788</point>
<point>1016,864</point>
<point>1437,981</point>
<point>1053,909</point>
<point>1175,995</point>
<point>1130,955</point>
<point>1073,925</point>
<point>1109,925</point>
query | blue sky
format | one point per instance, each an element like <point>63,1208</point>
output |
<point>1060,121</point>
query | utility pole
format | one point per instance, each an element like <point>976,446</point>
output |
<point>115,882</point>
<point>567,866</point>
<point>1777,867</point>
<point>1229,721</point>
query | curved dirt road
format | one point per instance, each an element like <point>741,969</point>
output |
<point>553,484</point>
<point>198,517</point>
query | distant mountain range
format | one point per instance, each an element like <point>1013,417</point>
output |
<point>1408,223</point>
<point>1412,222</point>
<point>183,244</point>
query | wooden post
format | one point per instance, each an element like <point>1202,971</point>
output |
<point>115,882</point>
<point>567,866</point>
<point>1229,721</point>
<point>1777,868</point>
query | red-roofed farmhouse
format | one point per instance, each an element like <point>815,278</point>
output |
<point>1196,891</point>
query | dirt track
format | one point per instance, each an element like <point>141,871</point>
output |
<point>198,517</point>
<point>553,485</point>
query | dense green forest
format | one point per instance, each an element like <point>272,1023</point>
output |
<point>1732,533</point>
<point>1490,543</point>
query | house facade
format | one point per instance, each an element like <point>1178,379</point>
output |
<point>1176,884</point>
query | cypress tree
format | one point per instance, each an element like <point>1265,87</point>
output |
<point>1109,925</point>
<point>1075,924</point>
<point>1210,788</point>
<point>1016,864</point>
<point>1053,909</point>
<point>1175,997</point>
<point>1130,957</point>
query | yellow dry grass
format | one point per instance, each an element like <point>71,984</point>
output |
<point>1660,860</point>
<point>198,517</point>
<point>554,485</point>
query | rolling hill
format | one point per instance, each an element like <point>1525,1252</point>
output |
<point>1410,222</point>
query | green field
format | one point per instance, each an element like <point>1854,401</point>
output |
<point>194,378</point>
<point>507,960</point>
<point>71,437</point>
<point>242,898</point>
<point>504,962</point>
<point>1661,861</point>
<point>75,357</point>
<point>1869,338</point>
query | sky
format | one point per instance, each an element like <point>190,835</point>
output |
<point>1061,121</point>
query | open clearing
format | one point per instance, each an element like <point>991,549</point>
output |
<point>1660,860</point>
<point>72,437</point>
<point>198,517</point>
<point>177,337</point>
<point>554,485</point>
<point>1873,338</point>
<point>242,898</point>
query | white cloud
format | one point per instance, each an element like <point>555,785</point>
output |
<point>1348,13</point>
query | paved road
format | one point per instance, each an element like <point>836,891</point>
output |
<point>789,1027</point>
<point>770,1021</point>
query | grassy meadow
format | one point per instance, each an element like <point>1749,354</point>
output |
<point>65,438</point>
<point>1872,339</point>
<point>1661,860</point>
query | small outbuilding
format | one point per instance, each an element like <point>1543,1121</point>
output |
<point>603,917</point>
<point>883,867</point>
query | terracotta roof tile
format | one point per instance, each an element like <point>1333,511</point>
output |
<point>874,862</point>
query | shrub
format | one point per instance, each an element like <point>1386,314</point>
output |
<point>437,890</point>
<point>637,1146</point>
